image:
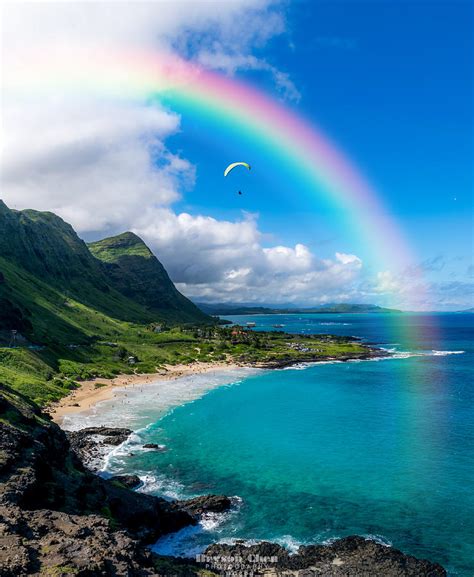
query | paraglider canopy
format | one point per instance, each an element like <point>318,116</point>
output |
<point>233,165</point>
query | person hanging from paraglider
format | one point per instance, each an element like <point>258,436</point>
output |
<point>232,166</point>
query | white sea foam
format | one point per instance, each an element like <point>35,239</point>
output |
<point>192,541</point>
<point>161,485</point>
<point>431,353</point>
<point>289,543</point>
<point>138,405</point>
<point>380,539</point>
<point>333,323</point>
<point>445,353</point>
<point>392,354</point>
<point>185,543</point>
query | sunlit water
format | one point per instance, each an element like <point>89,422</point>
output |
<point>381,448</point>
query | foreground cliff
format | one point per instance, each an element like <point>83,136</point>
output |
<point>57,518</point>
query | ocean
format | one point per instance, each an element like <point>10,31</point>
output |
<point>381,448</point>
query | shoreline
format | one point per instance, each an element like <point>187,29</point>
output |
<point>88,396</point>
<point>93,391</point>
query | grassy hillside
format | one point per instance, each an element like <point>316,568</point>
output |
<point>84,312</point>
<point>53,289</point>
<point>47,373</point>
<point>137,274</point>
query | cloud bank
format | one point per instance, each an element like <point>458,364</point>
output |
<point>104,164</point>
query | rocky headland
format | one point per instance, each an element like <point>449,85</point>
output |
<point>58,518</point>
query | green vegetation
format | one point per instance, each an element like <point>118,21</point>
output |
<point>70,312</point>
<point>137,274</point>
<point>53,288</point>
<point>47,374</point>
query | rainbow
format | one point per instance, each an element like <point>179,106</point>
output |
<point>288,137</point>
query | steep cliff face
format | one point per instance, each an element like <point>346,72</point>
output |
<point>139,275</point>
<point>44,266</point>
<point>47,247</point>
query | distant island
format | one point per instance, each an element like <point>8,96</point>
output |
<point>223,309</point>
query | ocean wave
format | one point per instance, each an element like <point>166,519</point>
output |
<point>192,541</point>
<point>446,353</point>
<point>380,539</point>
<point>185,543</point>
<point>289,543</point>
<point>392,354</point>
<point>333,323</point>
<point>430,353</point>
<point>161,485</point>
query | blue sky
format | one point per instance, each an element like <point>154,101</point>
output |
<point>389,81</point>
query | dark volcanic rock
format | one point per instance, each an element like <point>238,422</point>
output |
<point>115,434</point>
<point>129,481</point>
<point>205,504</point>
<point>155,447</point>
<point>55,543</point>
<point>58,518</point>
<point>54,512</point>
<point>91,444</point>
<point>348,557</point>
<point>114,441</point>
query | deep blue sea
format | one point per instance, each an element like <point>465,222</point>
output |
<point>377,448</point>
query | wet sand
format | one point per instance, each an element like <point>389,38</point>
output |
<point>91,392</point>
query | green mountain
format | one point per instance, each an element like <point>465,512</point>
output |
<point>53,289</point>
<point>137,274</point>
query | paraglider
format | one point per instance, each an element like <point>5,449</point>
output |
<point>233,165</point>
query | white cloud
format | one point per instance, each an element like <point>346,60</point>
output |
<point>231,62</point>
<point>222,260</point>
<point>101,162</point>
<point>348,259</point>
<point>91,162</point>
<point>387,283</point>
<point>104,164</point>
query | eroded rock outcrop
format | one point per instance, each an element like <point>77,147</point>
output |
<point>55,513</point>
<point>349,557</point>
<point>58,518</point>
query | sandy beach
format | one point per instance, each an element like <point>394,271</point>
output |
<point>94,391</point>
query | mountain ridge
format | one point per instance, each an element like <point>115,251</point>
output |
<point>52,287</point>
<point>140,276</point>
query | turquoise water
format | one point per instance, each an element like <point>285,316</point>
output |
<point>381,448</point>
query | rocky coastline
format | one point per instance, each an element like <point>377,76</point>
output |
<point>369,353</point>
<point>59,518</point>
